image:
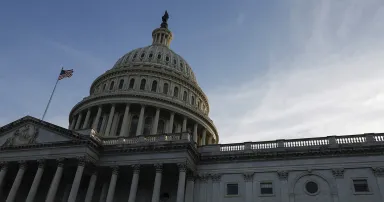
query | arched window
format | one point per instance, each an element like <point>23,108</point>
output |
<point>198,103</point>
<point>131,83</point>
<point>147,126</point>
<point>142,84</point>
<point>105,86</point>
<point>160,127</point>
<point>165,88</point>
<point>176,92</point>
<point>121,83</point>
<point>185,96</point>
<point>154,86</point>
<point>111,86</point>
<point>193,100</point>
<point>133,129</point>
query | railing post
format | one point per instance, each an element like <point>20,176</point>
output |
<point>280,143</point>
<point>185,136</point>
<point>369,138</point>
<point>162,138</point>
<point>247,146</point>
<point>332,141</point>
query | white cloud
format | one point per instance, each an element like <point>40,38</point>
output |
<point>333,86</point>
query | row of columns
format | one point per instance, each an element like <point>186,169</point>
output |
<point>92,183</point>
<point>76,123</point>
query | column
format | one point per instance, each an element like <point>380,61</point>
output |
<point>283,176</point>
<point>112,184</point>
<point>72,126</point>
<point>77,180</point>
<point>379,174</point>
<point>16,184</point>
<point>195,133</point>
<point>189,192</point>
<point>125,124</point>
<point>157,184</point>
<point>67,189</point>
<point>185,124</point>
<point>141,120</point>
<point>79,117</point>
<point>104,191</point>
<point>210,139</point>
<point>171,119</point>
<point>204,137</point>
<point>178,128</point>
<point>134,183</point>
<point>248,178</point>
<point>340,191</point>
<point>91,187</point>
<point>110,118</point>
<point>97,119</point>
<point>85,124</point>
<point>3,172</point>
<point>36,182</point>
<point>55,182</point>
<point>203,188</point>
<point>181,184</point>
<point>156,122</point>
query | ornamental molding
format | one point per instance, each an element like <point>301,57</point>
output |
<point>182,167</point>
<point>159,167</point>
<point>136,168</point>
<point>115,170</point>
<point>216,177</point>
<point>378,171</point>
<point>248,177</point>
<point>338,172</point>
<point>283,175</point>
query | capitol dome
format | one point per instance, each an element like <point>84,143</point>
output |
<point>149,91</point>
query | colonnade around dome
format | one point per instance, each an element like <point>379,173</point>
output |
<point>133,120</point>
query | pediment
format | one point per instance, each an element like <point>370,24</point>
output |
<point>31,131</point>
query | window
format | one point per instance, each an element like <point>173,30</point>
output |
<point>193,100</point>
<point>154,86</point>
<point>360,185</point>
<point>105,86</point>
<point>131,83</point>
<point>165,88</point>
<point>150,55</point>
<point>266,188</point>
<point>232,189</point>
<point>167,59</point>
<point>160,127</point>
<point>142,84</point>
<point>134,122</point>
<point>119,125</point>
<point>174,61</point>
<point>311,187</point>
<point>134,56</point>
<point>159,56</point>
<point>185,96</point>
<point>121,83</point>
<point>142,55</point>
<point>111,86</point>
<point>176,92</point>
<point>147,126</point>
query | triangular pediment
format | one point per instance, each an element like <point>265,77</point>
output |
<point>32,131</point>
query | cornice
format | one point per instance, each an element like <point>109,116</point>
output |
<point>115,95</point>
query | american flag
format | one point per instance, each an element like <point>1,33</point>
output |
<point>65,73</point>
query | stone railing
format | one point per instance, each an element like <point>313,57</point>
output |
<point>330,141</point>
<point>174,137</point>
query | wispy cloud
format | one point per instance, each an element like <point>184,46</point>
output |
<point>332,86</point>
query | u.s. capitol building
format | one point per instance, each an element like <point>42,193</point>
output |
<point>144,135</point>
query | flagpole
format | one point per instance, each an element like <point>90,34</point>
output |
<point>49,102</point>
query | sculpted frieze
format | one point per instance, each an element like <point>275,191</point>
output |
<point>24,135</point>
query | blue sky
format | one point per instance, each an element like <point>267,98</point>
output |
<point>271,69</point>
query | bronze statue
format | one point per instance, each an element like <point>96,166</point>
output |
<point>165,17</point>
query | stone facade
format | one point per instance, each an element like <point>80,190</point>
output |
<point>144,135</point>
